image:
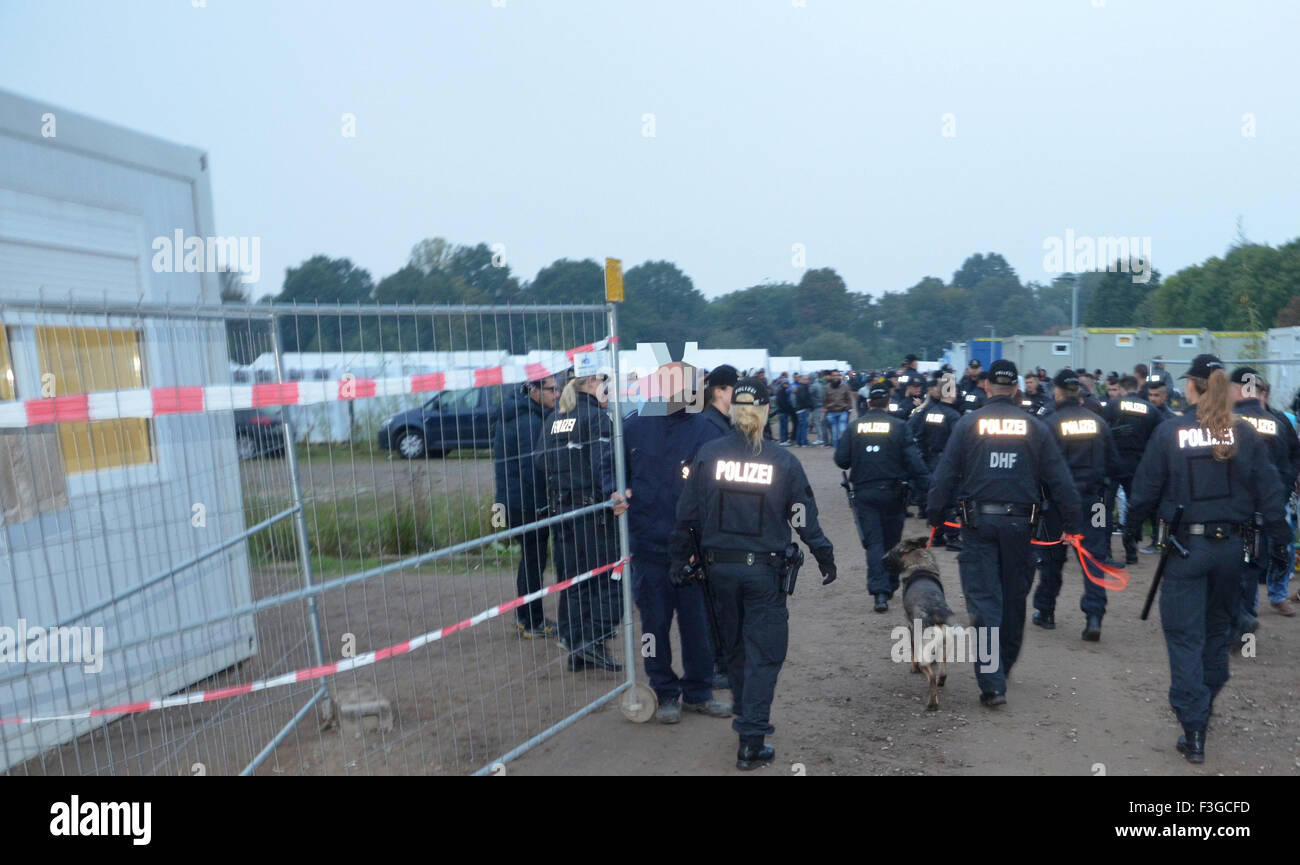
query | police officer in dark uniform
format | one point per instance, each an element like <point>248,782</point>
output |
<point>742,496</point>
<point>1245,389</point>
<point>660,441</point>
<point>974,399</point>
<point>931,425</point>
<point>575,451</point>
<point>1089,451</point>
<point>909,397</point>
<point>1034,397</point>
<point>997,463</point>
<point>1217,468</point>
<point>880,454</point>
<point>1132,421</point>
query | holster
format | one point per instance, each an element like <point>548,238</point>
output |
<point>1252,537</point>
<point>790,564</point>
<point>969,514</point>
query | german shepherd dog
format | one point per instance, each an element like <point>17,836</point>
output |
<point>923,599</point>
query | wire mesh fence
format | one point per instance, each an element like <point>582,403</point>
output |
<point>270,539</point>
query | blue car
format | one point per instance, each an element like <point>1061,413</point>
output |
<point>452,419</point>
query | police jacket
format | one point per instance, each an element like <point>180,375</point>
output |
<point>1033,402</point>
<point>972,400</point>
<point>1132,421</point>
<point>744,501</point>
<point>1179,468</point>
<point>1288,433</point>
<point>1272,433</point>
<point>575,450</point>
<point>1086,444</point>
<point>520,482</point>
<point>930,426</point>
<point>1000,455</point>
<point>878,452</point>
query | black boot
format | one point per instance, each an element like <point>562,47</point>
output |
<point>593,656</point>
<point>754,755</point>
<point>1192,745</point>
<point>1130,551</point>
<point>1047,621</point>
<point>1092,630</point>
<point>882,602</point>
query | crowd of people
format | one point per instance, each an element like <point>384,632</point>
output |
<point>1011,472</point>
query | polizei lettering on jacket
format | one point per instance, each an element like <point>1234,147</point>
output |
<point>1078,427</point>
<point>1199,437</point>
<point>1132,407</point>
<point>563,425</point>
<point>743,473</point>
<point>1263,424</point>
<point>1003,426</point>
<point>934,417</point>
<point>871,427</point>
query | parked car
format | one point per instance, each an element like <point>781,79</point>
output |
<point>259,432</point>
<point>452,419</point>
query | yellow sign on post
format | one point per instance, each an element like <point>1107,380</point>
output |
<point>614,280</point>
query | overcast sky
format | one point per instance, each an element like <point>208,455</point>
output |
<point>775,123</point>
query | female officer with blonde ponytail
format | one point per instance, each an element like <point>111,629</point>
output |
<point>743,493</point>
<point>576,452</point>
<point>1213,464</point>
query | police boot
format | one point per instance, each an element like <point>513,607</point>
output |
<point>1192,745</point>
<point>593,656</point>
<point>882,602</point>
<point>754,755</point>
<point>1092,630</point>
<point>1130,550</point>
<point>1046,621</point>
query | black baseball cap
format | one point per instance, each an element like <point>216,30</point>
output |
<point>910,358</point>
<point>750,391</point>
<point>1157,379</point>
<point>722,376</point>
<point>1002,371</point>
<point>1202,366</point>
<point>879,390</point>
<point>983,376</point>
<point>1065,378</point>
<point>1239,374</point>
<point>974,363</point>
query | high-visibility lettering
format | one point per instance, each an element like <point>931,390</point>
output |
<point>1199,437</point>
<point>1264,425</point>
<point>1078,427</point>
<point>934,417</point>
<point>1003,426</point>
<point>743,473</point>
<point>1002,460</point>
<point>868,427</point>
<point>1132,407</point>
<point>563,425</point>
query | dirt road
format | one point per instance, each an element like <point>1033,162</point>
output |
<point>1074,708</point>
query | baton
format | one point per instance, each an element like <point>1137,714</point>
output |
<point>848,492</point>
<point>703,576</point>
<point>1171,544</point>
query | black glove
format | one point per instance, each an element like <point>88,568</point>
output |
<point>1280,558</point>
<point>679,573</point>
<point>935,517</point>
<point>828,571</point>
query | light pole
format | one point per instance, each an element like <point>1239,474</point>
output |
<point>1074,323</point>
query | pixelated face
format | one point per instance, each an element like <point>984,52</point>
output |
<point>1157,396</point>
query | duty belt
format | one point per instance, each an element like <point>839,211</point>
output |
<point>1009,509</point>
<point>736,557</point>
<point>1212,531</point>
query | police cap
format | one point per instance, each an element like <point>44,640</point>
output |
<point>1202,366</point>
<point>1065,378</point>
<point>750,391</point>
<point>1002,371</point>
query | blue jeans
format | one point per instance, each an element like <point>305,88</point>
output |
<point>783,421</point>
<point>1279,579</point>
<point>801,430</point>
<point>838,422</point>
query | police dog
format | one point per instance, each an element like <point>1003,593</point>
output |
<point>923,599</point>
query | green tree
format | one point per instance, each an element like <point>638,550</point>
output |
<point>322,280</point>
<point>663,305</point>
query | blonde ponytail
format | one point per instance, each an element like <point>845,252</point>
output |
<point>1214,411</point>
<point>750,420</point>
<point>569,396</point>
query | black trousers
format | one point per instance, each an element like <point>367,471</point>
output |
<point>1052,560</point>
<point>881,523</point>
<point>755,629</point>
<point>996,569</point>
<point>1199,600</point>
<point>590,611</point>
<point>532,564</point>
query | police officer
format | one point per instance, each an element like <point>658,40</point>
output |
<point>974,399</point>
<point>880,454</point>
<point>931,425</point>
<point>910,398</point>
<point>1132,420</point>
<point>1085,442</point>
<point>1034,397</point>
<point>1246,389</point>
<point>996,465</point>
<point>742,495</point>
<point>1218,469</point>
<point>660,441</point>
<point>576,452</point>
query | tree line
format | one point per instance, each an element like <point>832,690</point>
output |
<point>1251,287</point>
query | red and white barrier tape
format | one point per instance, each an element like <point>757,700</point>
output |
<point>309,673</point>
<point>159,401</point>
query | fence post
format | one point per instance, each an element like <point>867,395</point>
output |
<point>300,520</point>
<point>620,484</point>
